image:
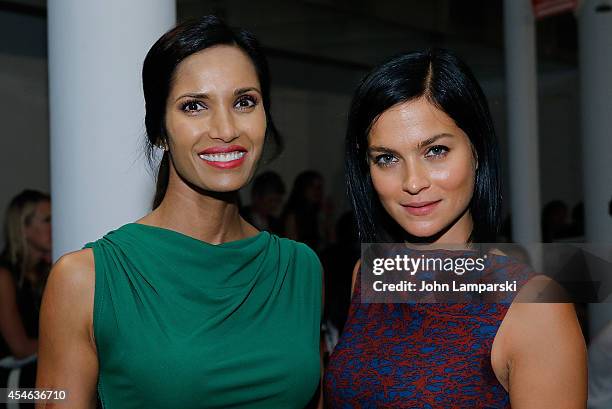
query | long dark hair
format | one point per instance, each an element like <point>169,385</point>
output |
<point>158,71</point>
<point>446,82</point>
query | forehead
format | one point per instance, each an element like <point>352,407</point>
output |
<point>411,122</point>
<point>42,208</point>
<point>217,68</point>
<point>44,205</point>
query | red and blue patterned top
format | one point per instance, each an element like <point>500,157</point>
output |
<point>419,355</point>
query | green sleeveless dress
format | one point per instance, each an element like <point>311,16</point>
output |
<point>181,323</point>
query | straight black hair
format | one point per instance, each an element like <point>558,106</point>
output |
<point>158,71</point>
<point>445,81</point>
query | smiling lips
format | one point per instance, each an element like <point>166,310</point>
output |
<point>421,208</point>
<point>224,157</point>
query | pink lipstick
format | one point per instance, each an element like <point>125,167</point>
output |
<point>421,208</point>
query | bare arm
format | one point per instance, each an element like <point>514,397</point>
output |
<point>67,355</point>
<point>545,355</point>
<point>11,324</point>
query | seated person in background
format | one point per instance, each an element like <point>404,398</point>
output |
<point>24,265</point>
<point>266,198</point>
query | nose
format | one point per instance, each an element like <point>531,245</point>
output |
<point>416,177</point>
<point>223,127</point>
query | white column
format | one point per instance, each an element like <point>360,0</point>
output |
<point>522,102</point>
<point>595,56</point>
<point>99,178</point>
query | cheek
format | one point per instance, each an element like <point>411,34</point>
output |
<point>255,127</point>
<point>456,179</point>
<point>386,183</point>
<point>181,131</point>
<point>32,233</point>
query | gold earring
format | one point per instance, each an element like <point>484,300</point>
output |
<point>163,145</point>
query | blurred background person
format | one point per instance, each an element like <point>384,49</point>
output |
<point>576,229</point>
<point>24,265</point>
<point>338,260</point>
<point>554,221</point>
<point>267,196</point>
<point>307,217</point>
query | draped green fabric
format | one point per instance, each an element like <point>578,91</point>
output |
<point>181,323</point>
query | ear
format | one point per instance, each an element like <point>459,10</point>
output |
<point>475,154</point>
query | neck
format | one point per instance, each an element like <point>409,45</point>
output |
<point>459,231</point>
<point>212,217</point>
<point>32,271</point>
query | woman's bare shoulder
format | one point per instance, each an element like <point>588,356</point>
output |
<point>75,269</point>
<point>70,286</point>
<point>67,351</point>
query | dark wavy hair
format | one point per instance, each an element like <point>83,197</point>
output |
<point>158,71</point>
<point>445,81</point>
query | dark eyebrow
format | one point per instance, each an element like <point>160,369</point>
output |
<point>431,140</point>
<point>241,91</point>
<point>420,145</point>
<point>194,95</point>
<point>203,95</point>
<point>381,149</point>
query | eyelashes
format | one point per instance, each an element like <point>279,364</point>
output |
<point>437,151</point>
<point>384,160</point>
<point>243,103</point>
<point>433,153</point>
<point>192,105</point>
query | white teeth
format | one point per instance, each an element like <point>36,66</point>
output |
<point>222,157</point>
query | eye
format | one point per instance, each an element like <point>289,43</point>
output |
<point>437,151</point>
<point>192,106</point>
<point>385,159</point>
<point>245,102</point>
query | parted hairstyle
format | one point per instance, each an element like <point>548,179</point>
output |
<point>158,72</point>
<point>446,82</point>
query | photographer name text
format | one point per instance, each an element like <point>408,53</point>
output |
<point>453,286</point>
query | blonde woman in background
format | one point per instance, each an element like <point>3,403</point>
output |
<point>24,265</point>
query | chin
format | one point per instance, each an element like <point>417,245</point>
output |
<point>226,188</point>
<point>422,229</point>
<point>223,183</point>
<point>422,232</point>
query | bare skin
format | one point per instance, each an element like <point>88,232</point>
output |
<point>538,354</point>
<point>215,101</point>
<point>11,323</point>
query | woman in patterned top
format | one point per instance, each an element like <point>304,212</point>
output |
<point>422,167</point>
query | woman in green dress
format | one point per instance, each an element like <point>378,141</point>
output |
<point>190,306</point>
